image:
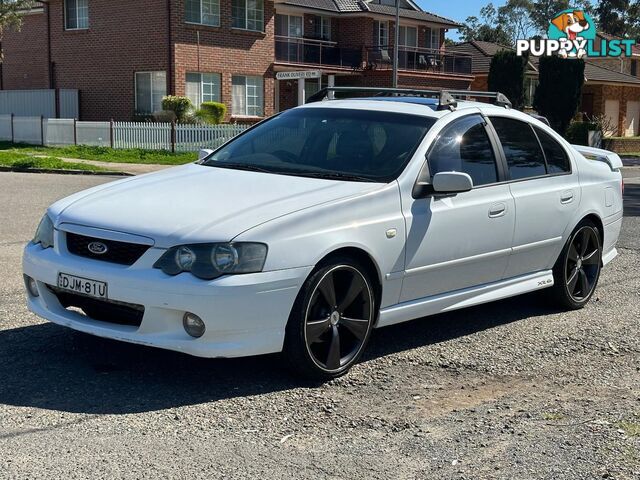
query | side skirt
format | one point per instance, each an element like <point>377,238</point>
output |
<point>467,297</point>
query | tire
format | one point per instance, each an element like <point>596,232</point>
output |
<point>577,270</point>
<point>327,332</point>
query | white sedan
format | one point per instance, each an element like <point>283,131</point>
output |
<point>329,220</point>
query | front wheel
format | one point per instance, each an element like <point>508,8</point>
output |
<point>331,320</point>
<point>577,271</point>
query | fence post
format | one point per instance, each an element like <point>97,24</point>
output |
<point>75,131</point>
<point>13,137</point>
<point>42,130</point>
<point>111,134</point>
<point>173,136</point>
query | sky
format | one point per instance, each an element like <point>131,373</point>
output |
<point>456,9</point>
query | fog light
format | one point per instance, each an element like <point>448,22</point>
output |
<point>193,325</point>
<point>32,286</point>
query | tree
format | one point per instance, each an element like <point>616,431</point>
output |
<point>506,75</point>
<point>618,17</point>
<point>559,91</point>
<point>11,13</point>
<point>487,28</point>
<point>542,11</point>
<point>515,15</point>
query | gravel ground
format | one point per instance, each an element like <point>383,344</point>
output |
<point>511,390</point>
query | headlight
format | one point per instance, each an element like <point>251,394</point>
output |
<point>44,233</point>
<point>212,260</point>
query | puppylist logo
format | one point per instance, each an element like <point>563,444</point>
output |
<point>572,34</point>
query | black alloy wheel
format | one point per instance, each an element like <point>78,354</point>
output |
<point>577,270</point>
<point>582,266</point>
<point>331,321</point>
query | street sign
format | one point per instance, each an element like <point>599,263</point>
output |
<point>298,75</point>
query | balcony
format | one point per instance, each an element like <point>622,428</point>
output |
<point>419,59</point>
<point>309,51</point>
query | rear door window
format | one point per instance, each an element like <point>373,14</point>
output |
<point>557,158</point>
<point>521,148</point>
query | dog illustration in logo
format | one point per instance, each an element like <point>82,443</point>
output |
<point>572,24</point>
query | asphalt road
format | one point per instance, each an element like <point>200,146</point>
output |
<point>513,389</point>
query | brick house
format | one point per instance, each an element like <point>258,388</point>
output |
<point>611,85</point>
<point>124,56</point>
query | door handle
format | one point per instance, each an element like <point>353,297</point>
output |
<point>566,197</point>
<point>497,210</point>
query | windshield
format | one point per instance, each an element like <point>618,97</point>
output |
<point>334,143</point>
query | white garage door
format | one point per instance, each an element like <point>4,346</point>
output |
<point>633,117</point>
<point>611,112</point>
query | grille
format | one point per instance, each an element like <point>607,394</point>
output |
<point>102,310</point>
<point>117,252</point>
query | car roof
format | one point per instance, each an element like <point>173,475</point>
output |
<point>413,105</point>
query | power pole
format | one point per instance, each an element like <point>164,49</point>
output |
<point>395,45</point>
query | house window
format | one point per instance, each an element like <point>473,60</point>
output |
<point>634,68</point>
<point>322,27</point>
<point>408,36</point>
<point>203,87</point>
<point>433,38</point>
<point>248,14</point>
<point>205,12</point>
<point>76,14</point>
<point>381,33</point>
<point>289,26</point>
<point>247,96</point>
<point>151,87</point>
<point>530,85</point>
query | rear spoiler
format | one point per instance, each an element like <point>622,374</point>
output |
<point>610,158</point>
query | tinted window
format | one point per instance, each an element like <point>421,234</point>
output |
<point>464,146</point>
<point>327,142</point>
<point>521,147</point>
<point>557,159</point>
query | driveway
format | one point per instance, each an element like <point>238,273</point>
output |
<point>511,390</point>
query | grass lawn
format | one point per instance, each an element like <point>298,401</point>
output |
<point>16,159</point>
<point>103,154</point>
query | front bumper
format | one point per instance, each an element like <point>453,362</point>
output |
<point>244,314</point>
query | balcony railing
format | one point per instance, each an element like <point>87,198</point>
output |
<point>310,51</point>
<point>419,59</point>
<point>316,52</point>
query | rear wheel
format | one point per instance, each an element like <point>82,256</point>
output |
<point>331,320</point>
<point>577,271</point>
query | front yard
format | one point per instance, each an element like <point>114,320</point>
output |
<point>28,156</point>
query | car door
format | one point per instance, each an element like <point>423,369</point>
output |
<point>545,190</point>
<point>463,240</point>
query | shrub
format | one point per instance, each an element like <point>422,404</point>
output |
<point>165,116</point>
<point>212,112</point>
<point>559,91</point>
<point>178,105</point>
<point>506,75</point>
<point>578,132</point>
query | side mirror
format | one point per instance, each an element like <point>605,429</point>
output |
<point>204,153</point>
<point>451,182</point>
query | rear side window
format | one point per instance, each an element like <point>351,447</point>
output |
<point>464,146</point>
<point>521,148</point>
<point>557,158</point>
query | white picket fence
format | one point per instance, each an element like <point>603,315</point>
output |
<point>148,136</point>
<point>143,135</point>
<point>194,137</point>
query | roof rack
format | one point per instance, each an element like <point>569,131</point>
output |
<point>446,98</point>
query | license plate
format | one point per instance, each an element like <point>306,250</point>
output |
<point>83,286</point>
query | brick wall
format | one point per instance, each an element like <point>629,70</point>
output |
<point>226,51</point>
<point>623,94</point>
<point>25,64</point>
<point>123,38</point>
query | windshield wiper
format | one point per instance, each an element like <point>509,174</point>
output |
<point>240,166</point>
<point>337,176</point>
